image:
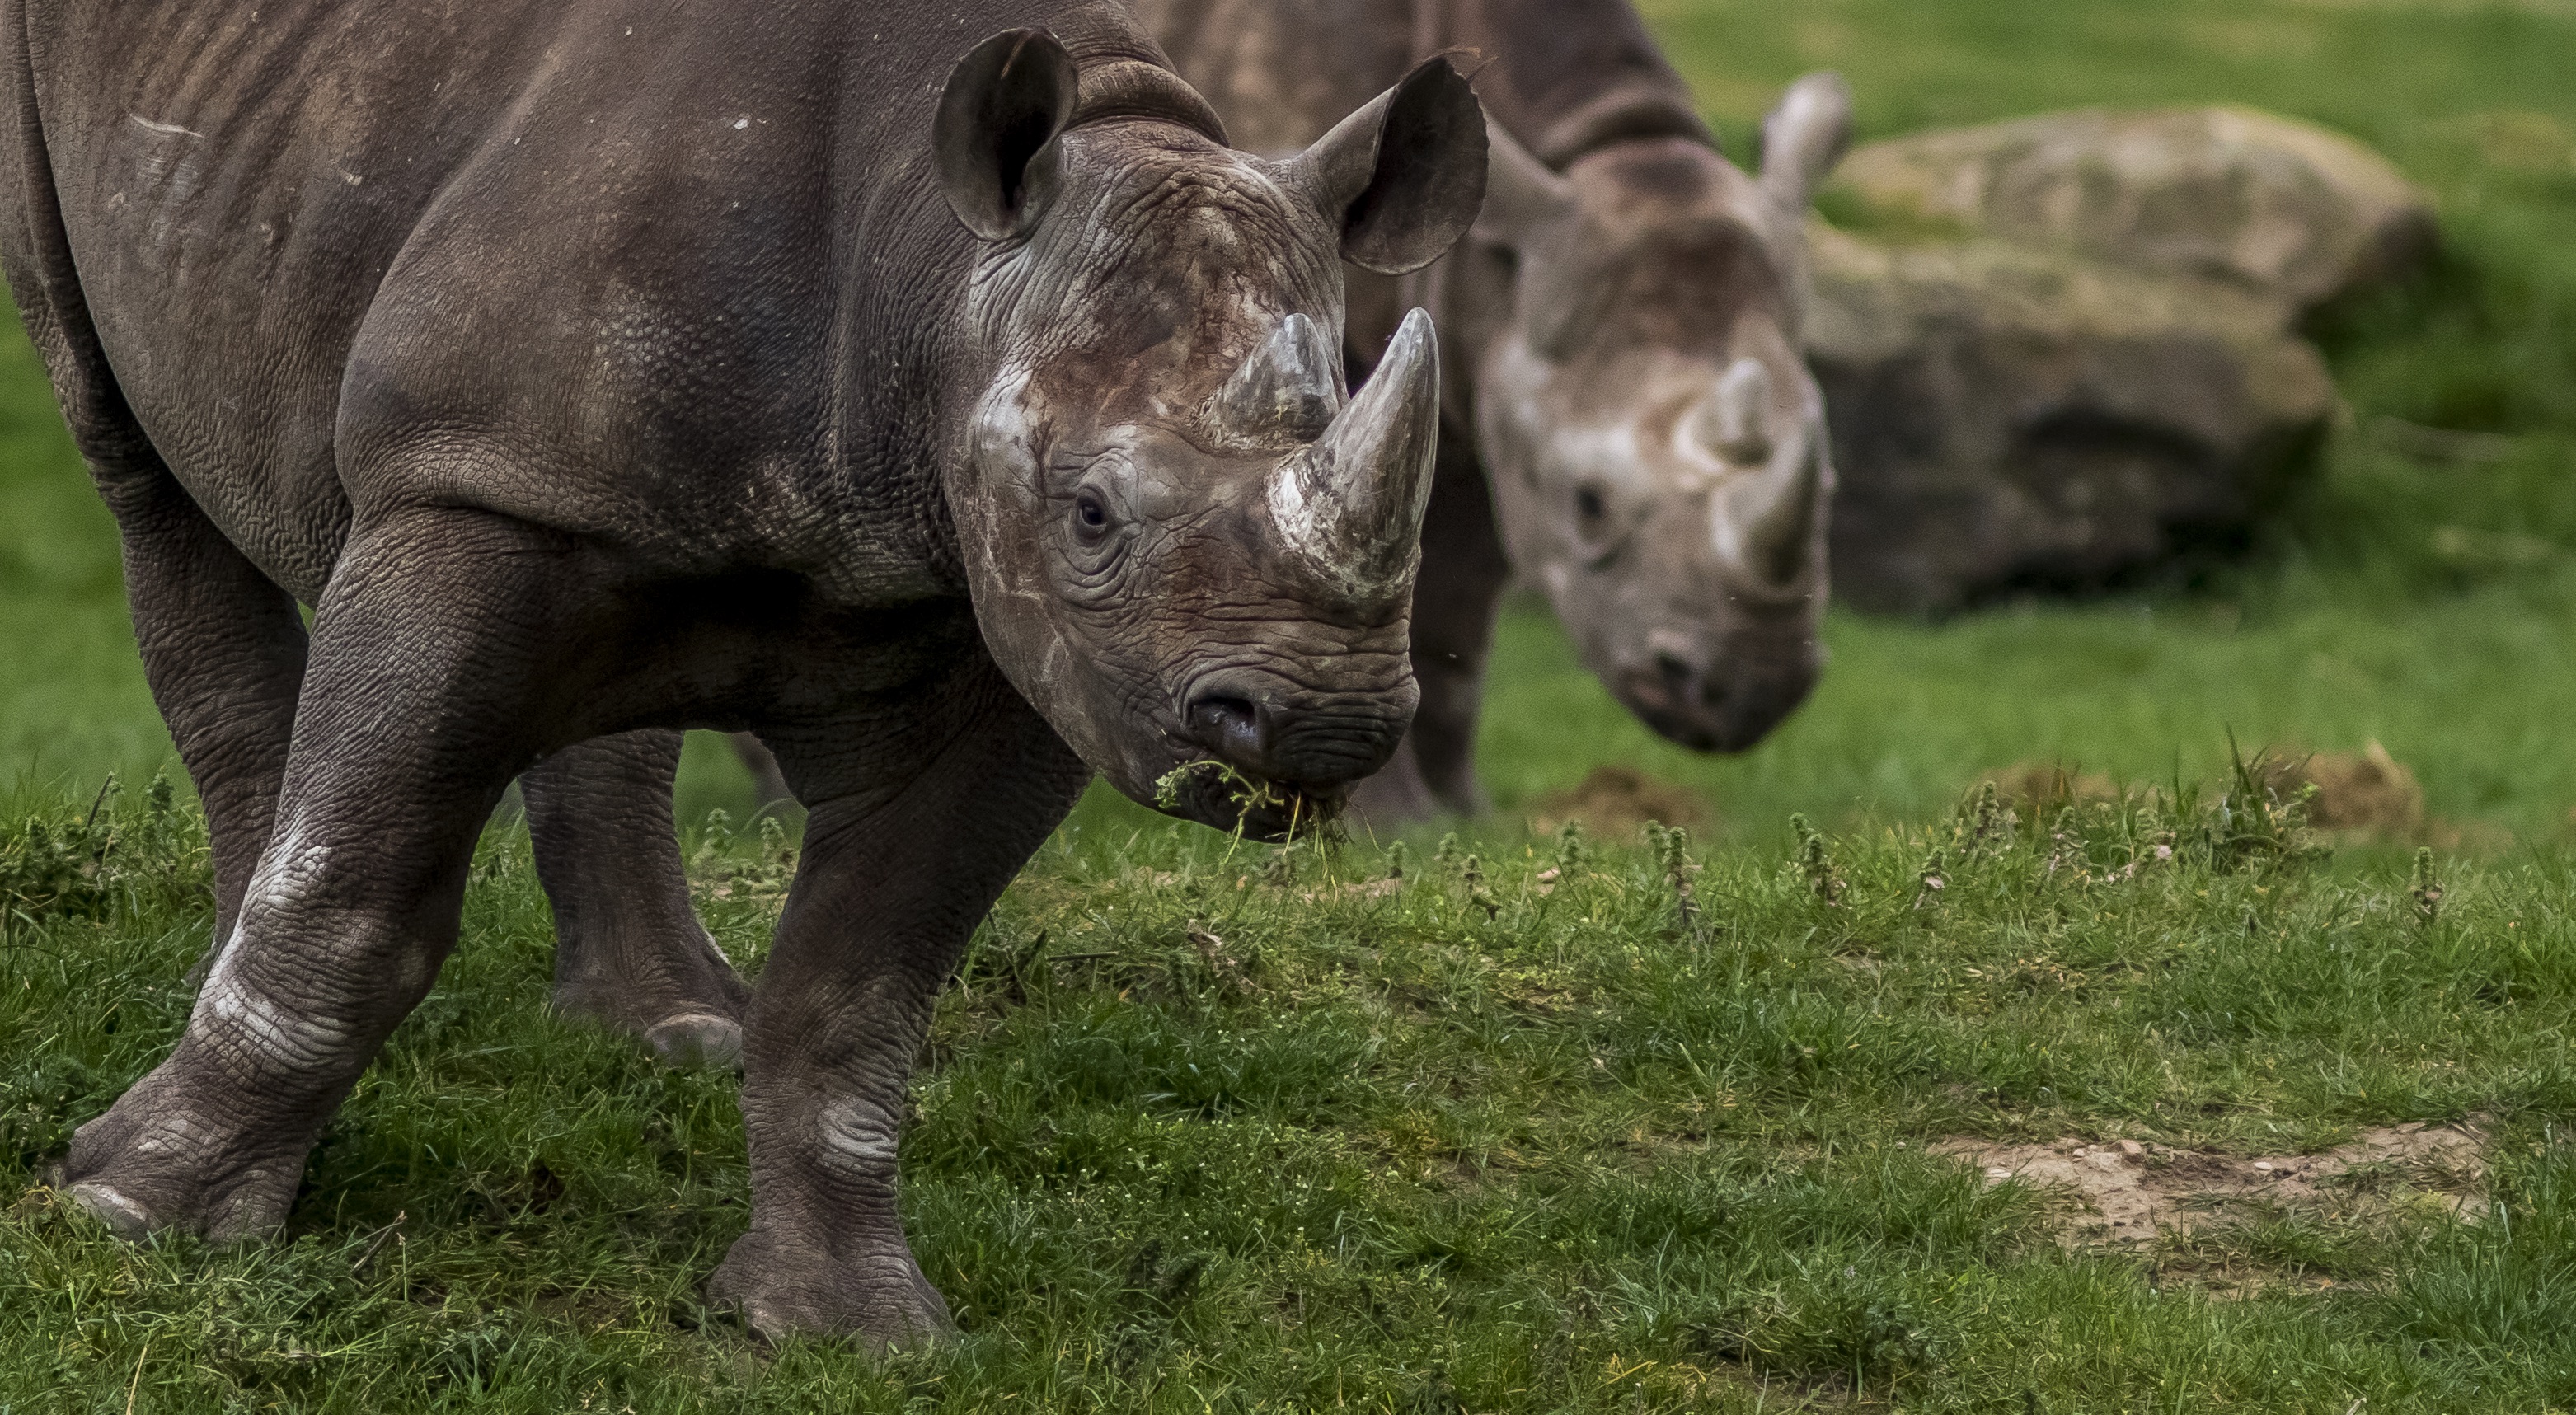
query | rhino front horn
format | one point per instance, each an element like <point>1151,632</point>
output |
<point>1351,504</point>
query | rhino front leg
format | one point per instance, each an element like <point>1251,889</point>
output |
<point>416,709</point>
<point>629,950</point>
<point>894,880</point>
<point>1455,601</point>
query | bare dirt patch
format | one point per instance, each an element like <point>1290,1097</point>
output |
<point>2131,1193</point>
<point>1617,801</point>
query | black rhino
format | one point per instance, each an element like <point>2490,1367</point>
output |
<point>598,368</point>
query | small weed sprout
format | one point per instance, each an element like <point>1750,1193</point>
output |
<point>1281,872</point>
<point>775,868</point>
<point>1815,863</point>
<point>1232,978</point>
<point>1930,880</point>
<point>1571,853</point>
<point>715,841</point>
<point>1473,871</point>
<point>1397,857</point>
<point>1671,846</point>
<point>2425,889</point>
<point>1449,852</point>
<point>1985,818</point>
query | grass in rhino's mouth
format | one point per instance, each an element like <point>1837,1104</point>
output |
<point>1218,794</point>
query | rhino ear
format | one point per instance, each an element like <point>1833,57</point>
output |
<point>1405,174</point>
<point>1804,137</point>
<point>1523,196</point>
<point>995,138</point>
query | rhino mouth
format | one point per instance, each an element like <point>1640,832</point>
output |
<point>1220,795</point>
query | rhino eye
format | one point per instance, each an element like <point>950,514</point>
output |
<point>1090,513</point>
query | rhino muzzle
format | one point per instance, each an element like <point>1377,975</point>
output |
<point>1350,504</point>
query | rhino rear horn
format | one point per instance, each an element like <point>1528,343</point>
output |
<point>1288,387</point>
<point>1405,174</point>
<point>1351,504</point>
<point>995,137</point>
<point>1804,137</point>
<point>1733,421</point>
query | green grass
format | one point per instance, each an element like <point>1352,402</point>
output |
<point>1399,1152</point>
<point>1503,1143</point>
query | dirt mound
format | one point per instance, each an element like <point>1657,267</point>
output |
<point>2033,786</point>
<point>2131,1192</point>
<point>2359,794</point>
<point>1616,801</point>
<point>2366,793</point>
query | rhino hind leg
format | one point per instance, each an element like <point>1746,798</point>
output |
<point>629,951</point>
<point>768,783</point>
<point>420,700</point>
<point>894,878</point>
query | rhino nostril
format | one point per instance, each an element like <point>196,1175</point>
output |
<point>1230,725</point>
<point>1675,670</point>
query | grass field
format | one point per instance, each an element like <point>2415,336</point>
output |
<point>1504,1141</point>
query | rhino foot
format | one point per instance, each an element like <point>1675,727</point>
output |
<point>151,1166</point>
<point>784,1288</point>
<point>697,1041</point>
<point>686,1004</point>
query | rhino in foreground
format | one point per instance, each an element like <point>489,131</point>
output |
<point>1637,432</point>
<point>596,368</point>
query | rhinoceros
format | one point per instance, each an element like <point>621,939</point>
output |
<point>1637,432</point>
<point>598,368</point>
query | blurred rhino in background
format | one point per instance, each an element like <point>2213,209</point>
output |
<point>1635,429</point>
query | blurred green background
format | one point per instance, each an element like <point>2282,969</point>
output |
<point>2363,615</point>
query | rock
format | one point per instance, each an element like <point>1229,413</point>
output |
<point>2274,207</point>
<point>2009,417</point>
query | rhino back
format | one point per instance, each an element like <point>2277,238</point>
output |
<point>667,274</point>
<point>1563,76</point>
<point>1282,72</point>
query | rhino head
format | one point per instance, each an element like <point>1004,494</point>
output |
<point>1189,543</point>
<point>1656,444</point>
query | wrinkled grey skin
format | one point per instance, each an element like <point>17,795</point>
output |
<point>1637,431</point>
<point>598,368</point>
